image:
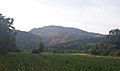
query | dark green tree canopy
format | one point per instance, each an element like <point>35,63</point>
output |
<point>110,45</point>
<point>114,32</point>
<point>39,47</point>
<point>7,34</point>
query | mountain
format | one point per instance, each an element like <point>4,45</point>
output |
<point>25,41</point>
<point>53,35</point>
<point>79,45</point>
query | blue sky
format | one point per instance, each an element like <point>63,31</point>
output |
<point>98,16</point>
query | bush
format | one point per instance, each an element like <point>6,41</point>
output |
<point>35,51</point>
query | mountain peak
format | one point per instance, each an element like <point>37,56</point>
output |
<point>57,34</point>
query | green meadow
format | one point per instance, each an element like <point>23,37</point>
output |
<point>57,62</point>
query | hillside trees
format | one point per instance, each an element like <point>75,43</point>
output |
<point>7,35</point>
<point>110,45</point>
<point>39,46</point>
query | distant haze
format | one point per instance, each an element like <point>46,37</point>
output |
<point>98,16</point>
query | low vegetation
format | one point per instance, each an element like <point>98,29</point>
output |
<point>57,62</point>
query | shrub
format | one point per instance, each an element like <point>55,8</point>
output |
<point>35,51</point>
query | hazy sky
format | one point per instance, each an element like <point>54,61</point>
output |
<point>90,15</point>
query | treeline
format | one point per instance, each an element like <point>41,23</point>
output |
<point>76,46</point>
<point>108,46</point>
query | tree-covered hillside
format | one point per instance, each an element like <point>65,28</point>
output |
<point>53,35</point>
<point>79,45</point>
<point>110,45</point>
<point>26,41</point>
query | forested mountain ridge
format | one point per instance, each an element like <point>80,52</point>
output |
<point>79,45</point>
<point>53,35</point>
<point>26,41</point>
<point>56,37</point>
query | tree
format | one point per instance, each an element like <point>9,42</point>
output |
<point>35,51</point>
<point>114,32</point>
<point>114,37</point>
<point>7,34</point>
<point>39,46</point>
<point>110,45</point>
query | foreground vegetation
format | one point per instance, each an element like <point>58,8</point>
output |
<point>57,62</point>
<point>107,46</point>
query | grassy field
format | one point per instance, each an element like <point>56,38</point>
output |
<point>57,62</point>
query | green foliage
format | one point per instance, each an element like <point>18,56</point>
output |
<point>35,51</point>
<point>7,34</point>
<point>57,62</point>
<point>110,45</point>
<point>78,46</point>
<point>41,47</point>
<point>38,48</point>
<point>114,32</point>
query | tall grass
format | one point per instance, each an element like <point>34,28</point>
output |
<point>57,62</point>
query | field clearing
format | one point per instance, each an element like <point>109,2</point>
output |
<point>58,62</point>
